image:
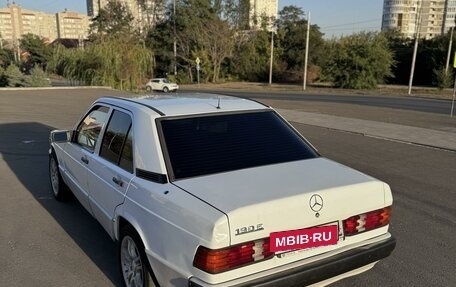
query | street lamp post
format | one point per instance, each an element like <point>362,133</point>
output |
<point>306,57</point>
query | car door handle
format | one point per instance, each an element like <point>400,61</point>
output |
<point>117,180</point>
<point>84,159</point>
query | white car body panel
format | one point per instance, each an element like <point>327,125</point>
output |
<point>155,207</point>
<point>174,218</point>
<point>75,172</point>
<point>105,195</point>
<point>199,104</point>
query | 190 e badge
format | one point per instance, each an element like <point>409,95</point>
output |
<point>248,229</point>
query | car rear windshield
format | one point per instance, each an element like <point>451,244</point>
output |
<point>211,144</point>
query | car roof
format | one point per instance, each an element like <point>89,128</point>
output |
<point>190,103</point>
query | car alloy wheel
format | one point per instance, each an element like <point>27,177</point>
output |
<point>133,269</point>
<point>54,175</point>
<point>59,188</point>
<point>148,89</point>
<point>165,89</point>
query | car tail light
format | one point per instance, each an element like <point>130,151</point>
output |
<point>220,260</point>
<point>367,221</point>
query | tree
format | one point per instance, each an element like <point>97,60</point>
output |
<point>251,56</point>
<point>430,60</point>
<point>431,57</point>
<point>160,40</point>
<point>115,62</point>
<point>236,12</point>
<point>200,32</point>
<point>37,50</point>
<point>153,11</point>
<point>359,61</point>
<point>291,39</point>
<point>114,20</point>
<point>402,50</point>
<point>6,57</point>
<point>216,40</point>
<point>291,15</point>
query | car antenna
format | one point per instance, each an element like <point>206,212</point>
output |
<point>218,104</point>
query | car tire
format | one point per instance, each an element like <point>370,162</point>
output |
<point>59,188</point>
<point>148,89</point>
<point>165,89</point>
<point>133,263</point>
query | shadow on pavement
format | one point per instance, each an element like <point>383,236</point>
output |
<point>24,147</point>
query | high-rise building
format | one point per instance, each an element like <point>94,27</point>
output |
<point>93,6</point>
<point>425,18</point>
<point>262,9</point>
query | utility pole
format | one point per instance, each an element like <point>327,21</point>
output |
<point>415,50</point>
<point>449,51</point>
<point>412,70</point>
<point>272,56</point>
<point>452,101</point>
<point>306,57</point>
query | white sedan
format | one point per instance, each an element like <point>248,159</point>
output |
<point>208,190</point>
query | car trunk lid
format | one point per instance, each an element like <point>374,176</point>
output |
<point>274,198</point>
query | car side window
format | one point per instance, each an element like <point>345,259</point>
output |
<point>90,127</point>
<point>126,158</point>
<point>116,146</point>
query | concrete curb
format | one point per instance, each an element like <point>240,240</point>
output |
<point>395,132</point>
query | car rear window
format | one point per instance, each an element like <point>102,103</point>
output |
<point>211,144</point>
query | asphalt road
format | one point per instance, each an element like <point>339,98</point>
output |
<point>437,106</point>
<point>47,243</point>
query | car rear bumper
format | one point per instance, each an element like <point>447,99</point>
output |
<point>320,270</point>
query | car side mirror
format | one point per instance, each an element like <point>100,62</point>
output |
<point>60,136</point>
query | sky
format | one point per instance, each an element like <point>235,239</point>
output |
<point>334,17</point>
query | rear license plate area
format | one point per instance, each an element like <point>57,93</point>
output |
<point>304,238</point>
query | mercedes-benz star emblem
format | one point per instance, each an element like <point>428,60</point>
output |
<point>316,202</point>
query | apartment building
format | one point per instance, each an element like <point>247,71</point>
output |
<point>72,25</point>
<point>16,21</point>
<point>425,18</point>
<point>259,9</point>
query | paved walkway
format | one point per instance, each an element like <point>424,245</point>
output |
<point>407,134</point>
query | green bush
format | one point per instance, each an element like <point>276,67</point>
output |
<point>37,78</point>
<point>14,76</point>
<point>3,78</point>
<point>443,79</point>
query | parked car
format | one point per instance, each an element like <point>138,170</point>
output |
<point>218,191</point>
<point>161,84</point>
